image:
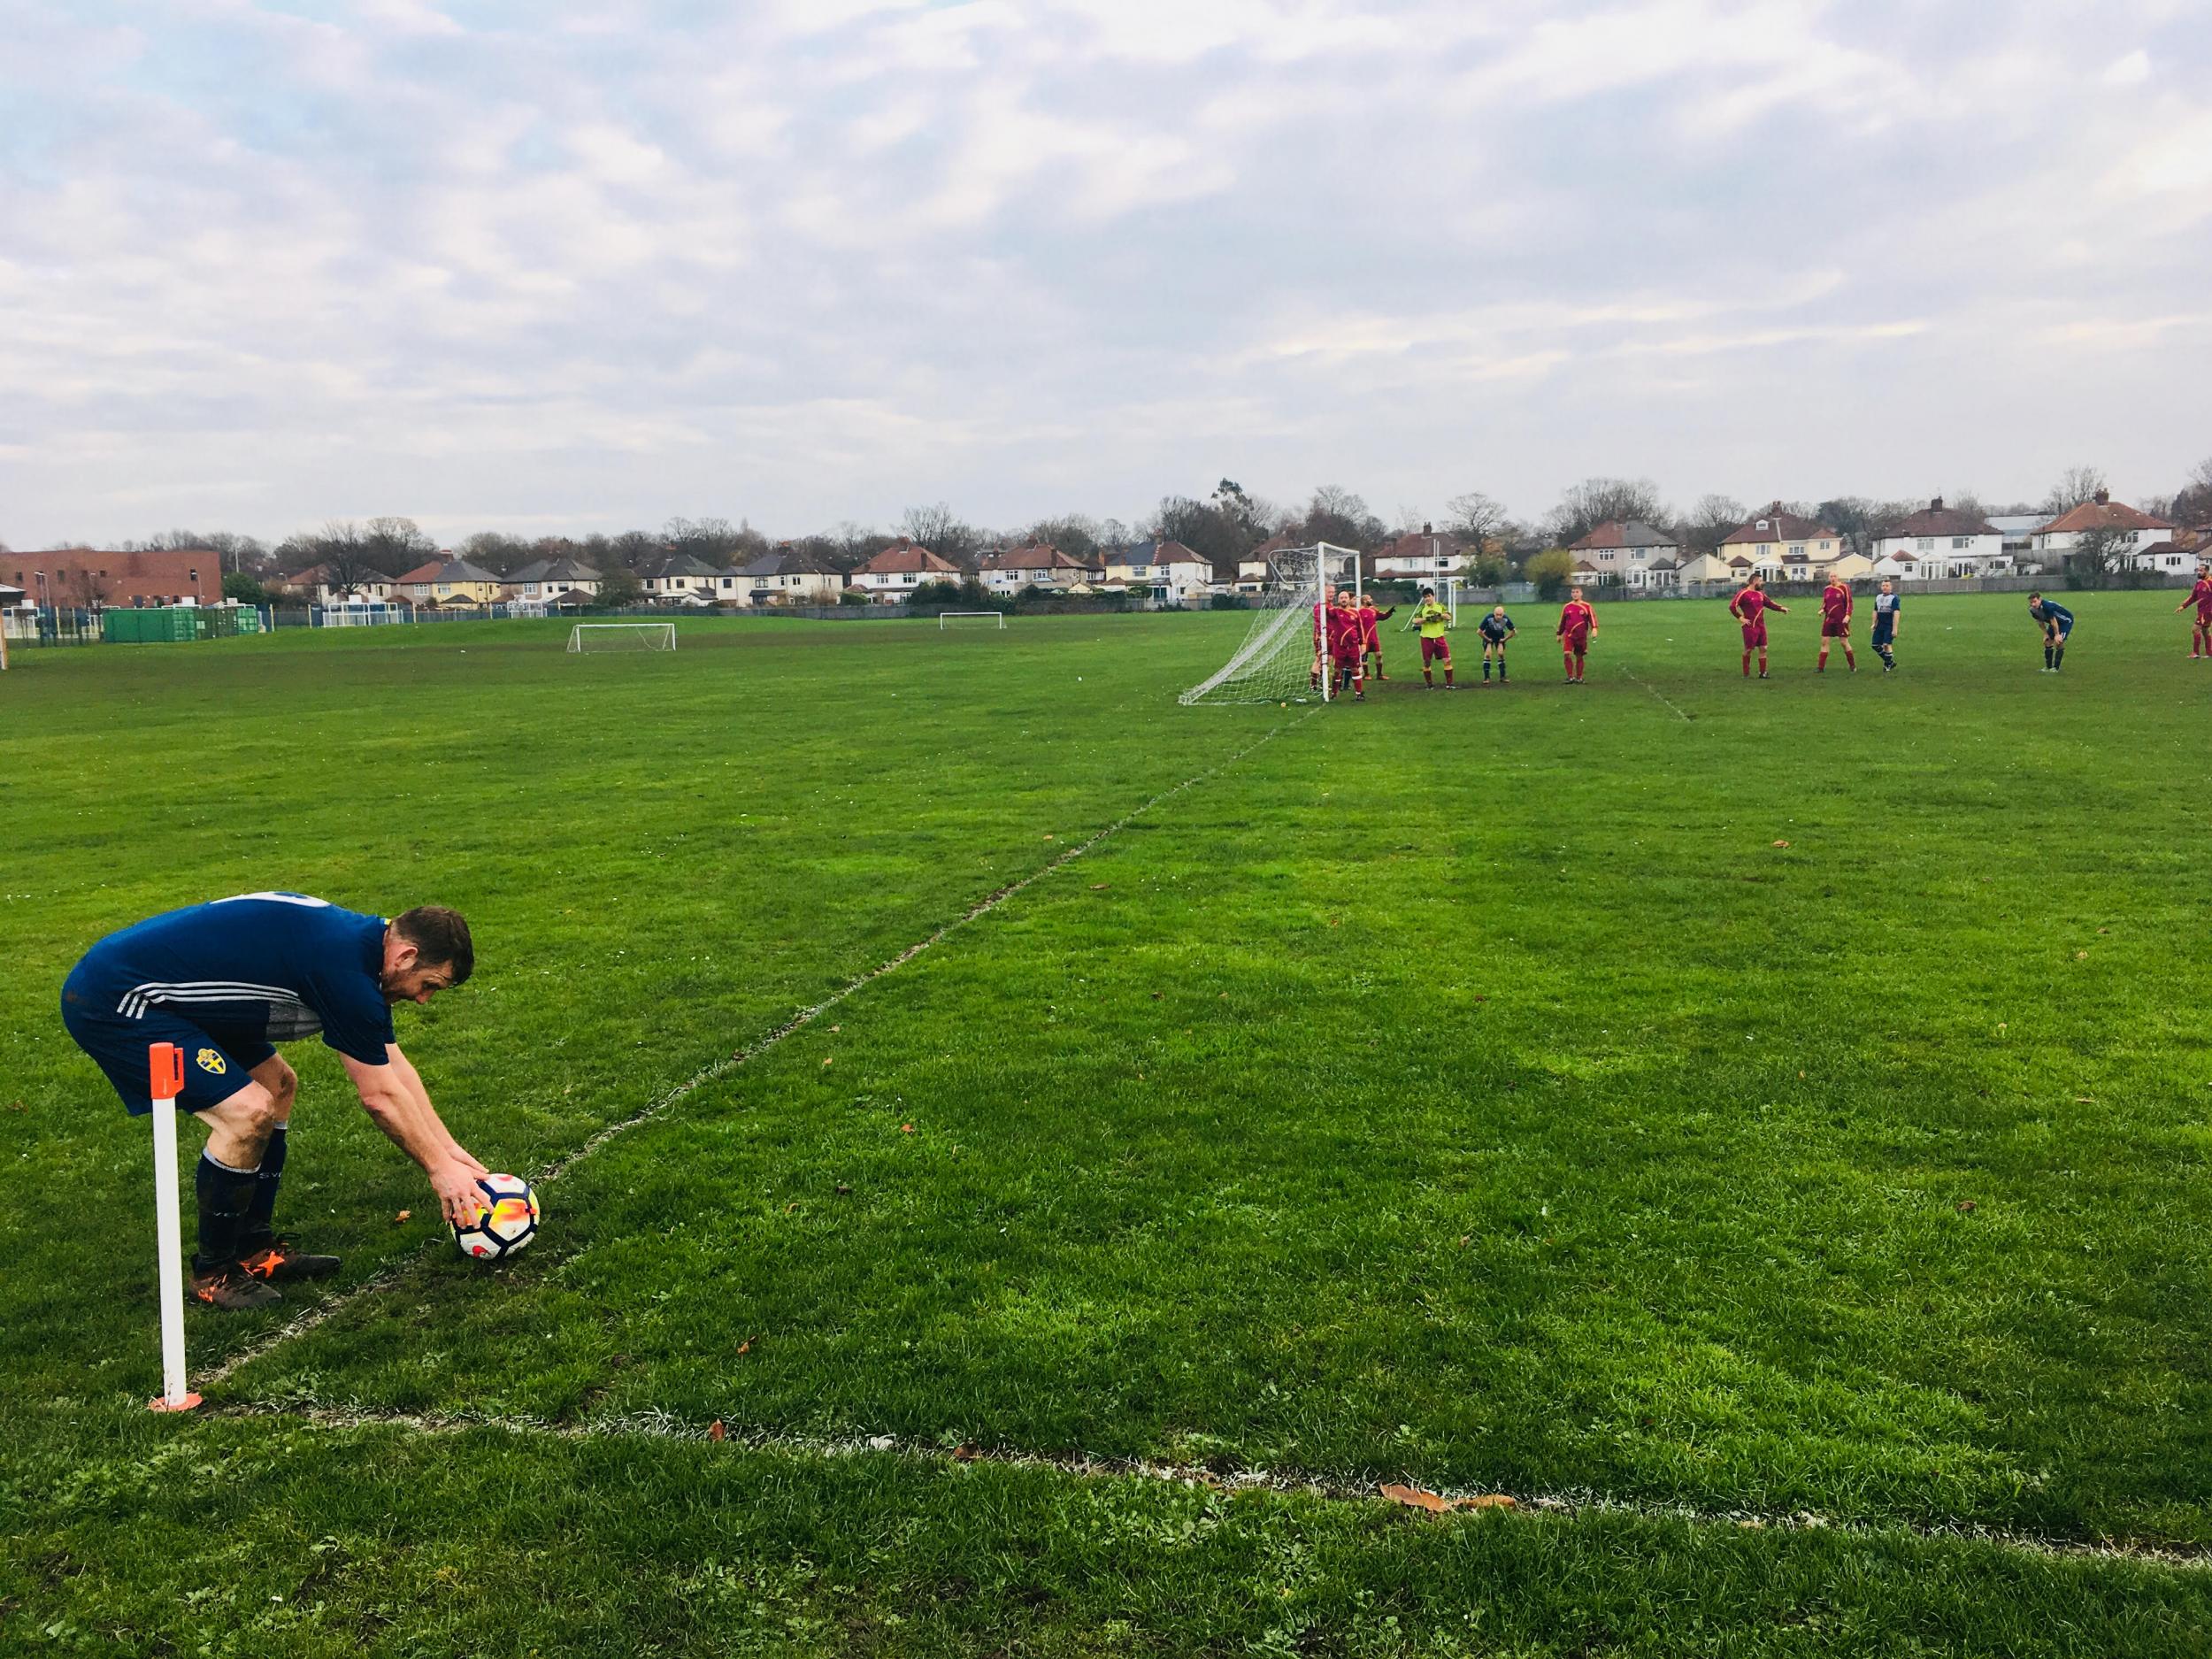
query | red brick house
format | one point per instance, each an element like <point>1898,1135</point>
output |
<point>85,576</point>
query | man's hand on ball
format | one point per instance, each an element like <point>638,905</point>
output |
<point>463,1201</point>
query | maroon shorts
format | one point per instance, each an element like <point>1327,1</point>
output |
<point>1577,642</point>
<point>1834,630</point>
<point>1436,650</point>
<point>2204,615</point>
<point>1755,634</point>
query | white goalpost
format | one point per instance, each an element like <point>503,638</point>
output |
<point>988,618</point>
<point>1283,657</point>
<point>622,636</point>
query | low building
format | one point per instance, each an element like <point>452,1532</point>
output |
<point>1620,546</point>
<point>1039,564</point>
<point>687,579</point>
<point>446,581</point>
<point>1776,539</point>
<point>548,581</point>
<point>1166,573</point>
<point>900,568</point>
<point>2135,532</point>
<point>1422,556</point>
<point>1258,570</point>
<point>2170,557</point>
<point>317,586</point>
<point>1946,543</point>
<point>1719,567</point>
<point>788,577</point>
<point>1661,572</point>
<point>85,577</point>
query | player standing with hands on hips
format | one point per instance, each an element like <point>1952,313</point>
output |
<point>1835,623</point>
<point>2201,596</point>
<point>1750,607</point>
<point>225,982</point>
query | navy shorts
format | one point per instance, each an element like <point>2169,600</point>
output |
<point>219,1059</point>
<point>1884,633</point>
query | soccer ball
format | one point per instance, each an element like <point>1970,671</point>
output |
<point>508,1222</point>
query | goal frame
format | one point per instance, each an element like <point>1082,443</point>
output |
<point>665,630</point>
<point>943,616</point>
<point>1295,595</point>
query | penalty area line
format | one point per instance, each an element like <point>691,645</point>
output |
<point>1569,1505</point>
<point>661,1103</point>
<point>1662,695</point>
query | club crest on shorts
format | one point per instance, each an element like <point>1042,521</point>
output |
<point>210,1061</point>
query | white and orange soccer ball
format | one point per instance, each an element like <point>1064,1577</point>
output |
<point>508,1222</point>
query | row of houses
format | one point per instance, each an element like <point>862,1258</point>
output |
<point>1937,543</point>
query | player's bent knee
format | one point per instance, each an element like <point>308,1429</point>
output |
<point>250,1115</point>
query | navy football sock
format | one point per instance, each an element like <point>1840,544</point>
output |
<point>259,1227</point>
<point>2046,657</point>
<point>2058,657</point>
<point>225,1195</point>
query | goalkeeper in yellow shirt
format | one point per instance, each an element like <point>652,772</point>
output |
<point>1434,620</point>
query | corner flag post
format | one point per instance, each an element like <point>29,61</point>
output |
<point>165,1071</point>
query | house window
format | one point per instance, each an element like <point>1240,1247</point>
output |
<point>196,578</point>
<point>1924,544</point>
<point>1959,541</point>
<point>1797,552</point>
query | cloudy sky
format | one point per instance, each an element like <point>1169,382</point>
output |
<point>511,264</point>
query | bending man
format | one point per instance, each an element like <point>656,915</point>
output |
<point>225,982</point>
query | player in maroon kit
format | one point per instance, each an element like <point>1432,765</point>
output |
<point>1345,640</point>
<point>1835,623</point>
<point>1577,622</point>
<point>2201,596</point>
<point>1370,621</point>
<point>1750,607</point>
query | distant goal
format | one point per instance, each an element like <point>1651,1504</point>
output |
<point>971,619</point>
<point>622,636</point>
<point>1280,659</point>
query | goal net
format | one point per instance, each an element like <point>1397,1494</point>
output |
<point>970,619</point>
<point>1280,659</point>
<point>622,636</point>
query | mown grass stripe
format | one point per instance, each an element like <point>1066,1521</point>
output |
<point>326,1311</point>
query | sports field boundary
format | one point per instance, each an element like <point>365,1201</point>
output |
<point>322,1312</point>
<point>1443,1503</point>
<point>1671,705</point>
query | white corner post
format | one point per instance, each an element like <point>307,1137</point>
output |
<point>165,1068</point>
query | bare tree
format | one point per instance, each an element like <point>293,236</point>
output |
<point>1597,501</point>
<point>943,532</point>
<point>395,546</point>
<point>1476,519</point>
<point>2075,486</point>
<point>1337,514</point>
<point>1861,522</point>
<point>2192,505</point>
<point>1705,525</point>
<point>2097,550</point>
<point>341,549</point>
<point>499,554</point>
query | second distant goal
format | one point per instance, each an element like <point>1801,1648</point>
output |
<point>970,619</point>
<point>622,636</point>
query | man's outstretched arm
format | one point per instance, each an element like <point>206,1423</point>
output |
<point>405,1115</point>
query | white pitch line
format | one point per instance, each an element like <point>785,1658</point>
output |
<point>329,1308</point>
<point>668,1426</point>
<point>1656,692</point>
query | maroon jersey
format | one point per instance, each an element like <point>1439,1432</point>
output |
<point>1750,605</point>
<point>1835,603</point>
<point>1344,632</point>
<point>2200,595</point>
<point>1576,617</point>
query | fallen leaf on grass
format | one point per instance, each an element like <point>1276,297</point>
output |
<point>2081,955</point>
<point>402,1217</point>
<point>1781,843</point>
<point>716,1431</point>
<point>1099,887</point>
<point>906,1129</point>
<point>1966,1206</point>
<point>1416,1498</point>
<point>844,1191</point>
<point>746,1347</point>
<point>1156,996</point>
<point>790,1207</point>
<point>827,1059</point>
<point>836,1028</point>
<point>964,1453</point>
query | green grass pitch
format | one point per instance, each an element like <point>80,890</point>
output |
<point>1759,1127</point>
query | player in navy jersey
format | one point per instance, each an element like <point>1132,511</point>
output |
<point>2058,624</point>
<point>225,982</point>
<point>1496,628</point>
<point>1889,608</point>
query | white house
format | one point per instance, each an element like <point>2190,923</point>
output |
<point>1167,572</point>
<point>899,569</point>
<point>1039,564</point>
<point>1942,542</point>
<point>681,577</point>
<point>1621,545</point>
<point>787,577</point>
<point>1718,567</point>
<point>1422,556</point>
<point>1663,571</point>
<point>545,581</point>
<point>2169,558</point>
<point>2138,531</point>
<point>1257,570</point>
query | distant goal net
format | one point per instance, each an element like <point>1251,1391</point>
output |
<point>970,619</point>
<point>622,636</point>
<point>1280,659</point>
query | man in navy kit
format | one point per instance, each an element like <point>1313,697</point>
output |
<point>1889,611</point>
<point>225,982</point>
<point>2058,623</point>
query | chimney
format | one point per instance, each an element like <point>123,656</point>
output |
<point>2104,498</point>
<point>1427,528</point>
<point>1936,505</point>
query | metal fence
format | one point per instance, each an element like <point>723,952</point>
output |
<point>51,625</point>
